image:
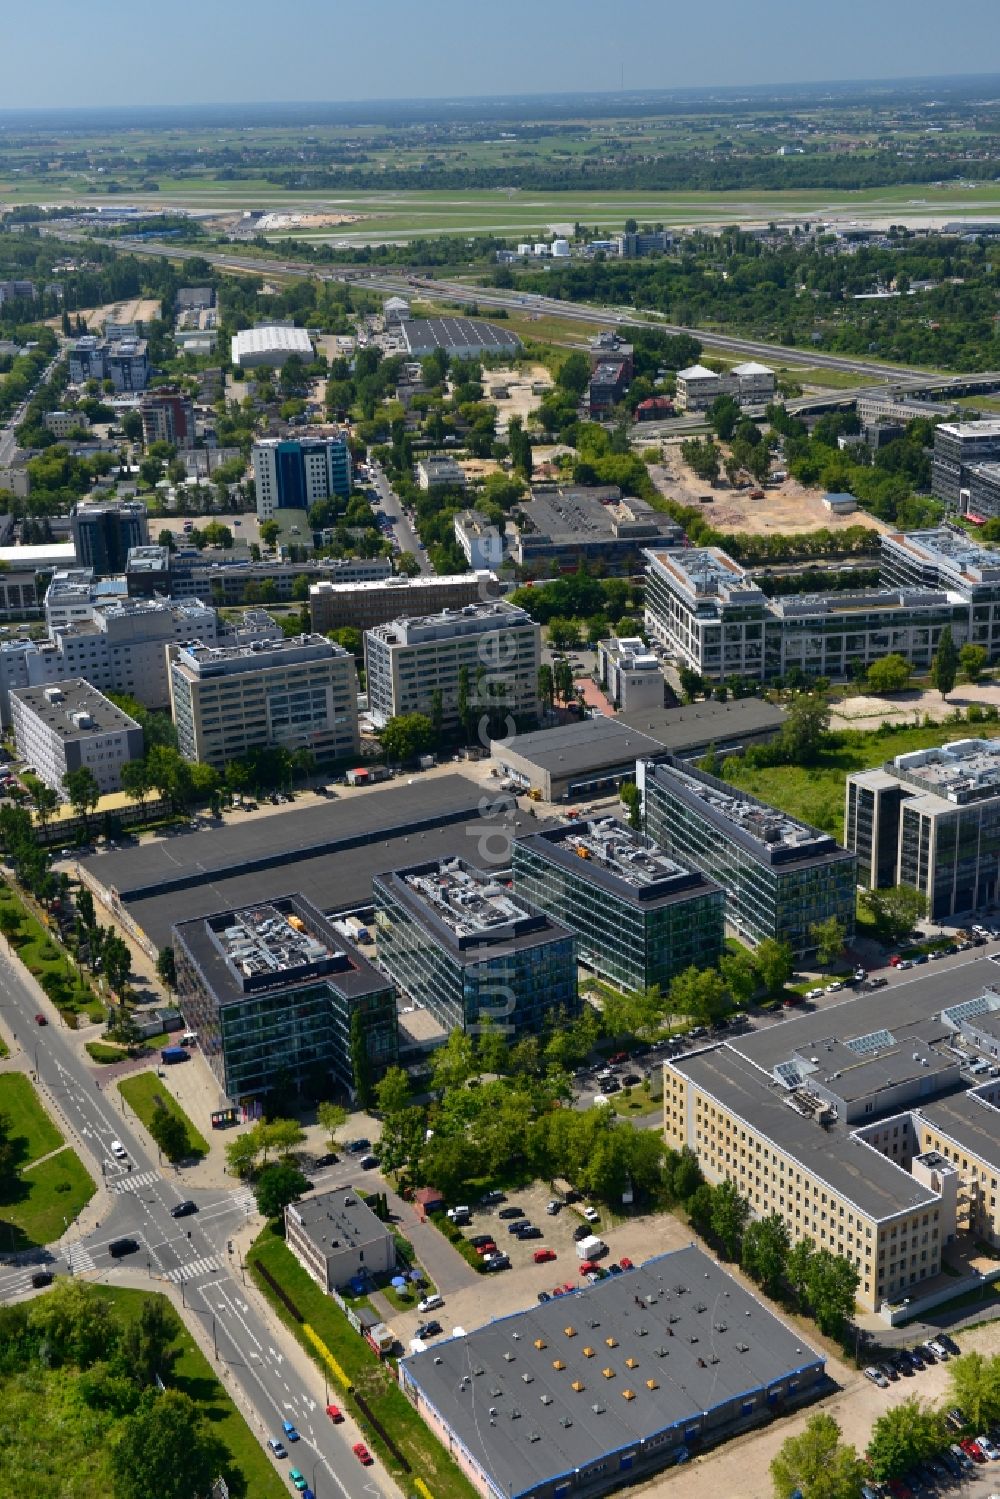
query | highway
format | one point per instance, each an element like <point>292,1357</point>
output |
<point>491,299</point>
<point>264,1381</point>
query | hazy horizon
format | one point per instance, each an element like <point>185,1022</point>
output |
<point>327,53</point>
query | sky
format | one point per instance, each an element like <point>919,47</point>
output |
<point>119,52</point>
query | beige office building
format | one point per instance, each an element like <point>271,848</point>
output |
<point>333,606</point>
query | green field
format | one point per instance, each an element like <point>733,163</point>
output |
<point>42,957</point>
<point>145,1092</point>
<point>55,1442</point>
<point>52,1185</point>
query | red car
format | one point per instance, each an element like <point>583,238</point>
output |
<point>542,1256</point>
<point>626,1263</point>
<point>489,1248</point>
<point>587,1267</point>
<point>40,1019</point>
<point>617,1057</point>
<point>900,1490</point>
<point>335,1413</point>
<point>567,1286</point>
<point>790,1000</point>
<point>362,1454</point>
<point>972,1449</point>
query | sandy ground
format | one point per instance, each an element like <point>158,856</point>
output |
<point>789,507</point>
<point>742,1467</point>
<point>905,708</point>
<point>519,400</point>
<point>135,310</point>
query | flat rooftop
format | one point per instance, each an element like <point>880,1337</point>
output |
<point>970,1119</point>
<point>695,724</point>
<point>467,619</point>
<point>707,572</point>
<point>951,549</point>
<point>610,854</point>
<point>328,852</point>
<point>577,514</point>
<point>772,836</point>
<point>408,588</point>
<point>337,1220</point>
<point>984,428</point>
<point>963,771</point>
<point>551,1390</point>
<point>590,744</point>
<point>205,660</point>
<point>279,944</point>
<point>73,710</point>
<point>458,333</point>
<point>881,600</point>
<point>470,908</point>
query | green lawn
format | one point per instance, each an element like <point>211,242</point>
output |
<point>54,1443</point>
<point>29,1121</point>
<point>99,1051</point>
<point>41,955</point>
<point>145,1092</point>
<point>816,793</point>
<point>374,1380</point>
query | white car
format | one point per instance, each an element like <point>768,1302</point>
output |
<point>988,1448</point>
<point>592,1215</point>
<point>118,1151</point>
<point>835,987</point>
<point>429,1304</point>
<point>877,1377</point>
<point>814,994</point>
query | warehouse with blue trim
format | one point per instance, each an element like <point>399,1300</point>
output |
<point>610,1383</point>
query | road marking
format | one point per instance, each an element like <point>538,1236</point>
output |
<point>206,1265</point>
<point>133,1183</point>
<point>79,1259</point>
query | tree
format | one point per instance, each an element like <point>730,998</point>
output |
<point>944,667</point>
<point>147,1341</point>
<point>740,976</point>
<point>699,994</point>
<point>170,1134</point>
<point>270,530</point>
<point>166,1451</point>
<point>277,1186</point>
<point>804,731</point>
<point>135,780</point>
<point>972,659</point>
<point>46,801</point>
<point>724,413</point>
<point>74,1325</point>
<point>453,1063</point>
<point>974,1386</point>
<point>730,1212</point>
<point>764,1251</point>
<point>242,1153</point>
<point>775,964</point>
<point>906,1434</point>
<point>333,1117</point>
<point>574,374</point>
<point>546,685</point>
<point>895,910</point>
<point>631,799</point>
<point>699,1209</point>
<point>83,791</point>
<point>166,967</point>
<point>829,937</point>
<point>406,736</point>
<point>116,960</point>
<point>890,674</point>
<point>817,1464</point>
<point>831,1288</point>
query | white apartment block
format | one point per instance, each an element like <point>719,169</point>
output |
<point>121,648</point>
<point>480,540</point>
<point>72,726</point>
<point>751,384</point>
<point>408,660</point>
<point>630,673</point>
<point>231,700</point>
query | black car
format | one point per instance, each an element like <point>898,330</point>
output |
<point>949,1343</point>
<point>329,1159</point>
<point>355,1147</point>
<point>543,1297</point>
<point>498,1262</point>
<point>631,1080</point>
<point>581,1231</point>
<point>368,1162</point>
<point>42,1278</point>
<point>118,1247</point>
<point>478,1240</point>
<point>183,1209</point>
<point>511,1212</point>
<point>530,1232</point>
<point>432,1329</point>
<point>615,1269</point>
<point>488,1199</point>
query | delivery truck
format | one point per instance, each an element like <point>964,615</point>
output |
<point>591,1248</point>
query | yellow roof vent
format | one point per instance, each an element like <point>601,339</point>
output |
<point>651,1384</point>
<point>557,1363</point>
<point>628,1394</point>
<point>611,1342</point>
<point>608,1373</point>
<point>588,1353</point>
<point>578,1386</point>
<point>570,1332</point>
<point>540,1343</point>
<point>631,1363</point>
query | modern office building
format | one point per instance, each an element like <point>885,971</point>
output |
<point>335,1237</point>
<point>958,448</point>
<point>87,359</point>
<point>480,540</point>
<point>74,593</point>
<point>68,727</point>
<point>167,416</point>
<point>439,471</point>
<point>947,558</point>
<point>640,918</point>
<point>127,364</point>
<point>563,526</point>
<point>269,345</point>
<point>931,819</point>
<point>750,384</point>
<point>458,337</point>
<point>228,579</point>
<point>466,948</point>
<point>608,1386</point>
<point>408,661</point>
<point>651,242</point>
<point>228,701</point>
<point>104,530</point>
<point>363,605</point>
<point>273,990</point>
<point>609,346</point>
<point>608,384</point>
<point>121,648</point>
<point>781,876</point>
<point>630,673</point>
<point>293,473</point>
<point>714,618</point>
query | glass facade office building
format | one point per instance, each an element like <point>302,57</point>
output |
<point>780,876</point>
<point>467,950</point>
<point>639,917</point>
<point>270,999</point>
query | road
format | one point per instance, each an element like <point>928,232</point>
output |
<point>390,502</point>
<point>489,298</point>
<point>190,1251</point>
<point>8,434</point>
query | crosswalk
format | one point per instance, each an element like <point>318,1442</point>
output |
<point>243,1200</point>
<point>133,1183</point>
<point>79,1259</point>
<point>194,1268</point>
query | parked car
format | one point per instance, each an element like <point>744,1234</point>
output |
<point>493,1262</point>
<point>955,1418</point>
<point>277,1446</point>
<point>355,1147</point>
<point>42,1278</point>
<point>591,1215</point>
<point>458,1212</point>
<point>430,1329</point>
<point>890,1371</point>
<point>988,1448</point>
<point>877,1377</point>
<point>489,1198</point>
<point>543,1256</point>
<point>368,1162</point>
<point>814,993</point>
<point>972,1449</point>
<point>511,1212</point>
<point>362,1454</point>
<point>489,1247</point>
<point>335,1413</point>
<point>939,1349</point>
<point>962,1458</point>
<point>543,1297</point>
<point>478,1240</point>
<point>553,1206</point>
<point>530,1232</point>
<point>626,1263</point>
<point>329,1158</point>
<point>948,1342</point>
<point>430,1303</point>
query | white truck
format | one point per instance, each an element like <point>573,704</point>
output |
<point>591,1248</point>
